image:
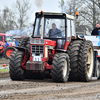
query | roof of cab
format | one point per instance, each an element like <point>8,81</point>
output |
<point>2,34</point>
<point>70,16</point>
<point>55,13</point>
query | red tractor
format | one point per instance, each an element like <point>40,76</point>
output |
<point>54,51</point>
<point>6,47</point>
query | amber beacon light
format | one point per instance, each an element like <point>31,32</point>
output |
<point>42,13</point>
<point>77,14</point>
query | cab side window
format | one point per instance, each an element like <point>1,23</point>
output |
<point>1,38</point>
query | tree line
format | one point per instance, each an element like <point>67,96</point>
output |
<point>15,17</point>
<point>89,11</point>
<point>18,16</point>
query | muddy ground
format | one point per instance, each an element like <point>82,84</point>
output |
<point>48,90</point>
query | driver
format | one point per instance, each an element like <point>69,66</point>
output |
<point>54,32</point>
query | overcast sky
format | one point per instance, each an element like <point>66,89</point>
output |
<point>38,5</point>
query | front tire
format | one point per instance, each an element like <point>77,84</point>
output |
<point>16,71</point>
<point>60,67</point>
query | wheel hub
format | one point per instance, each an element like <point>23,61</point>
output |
<point>65,68</point>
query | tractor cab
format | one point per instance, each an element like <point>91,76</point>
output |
<point>54,26</point>
<point>52,34</point>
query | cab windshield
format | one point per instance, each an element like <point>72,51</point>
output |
<point>53,28</point>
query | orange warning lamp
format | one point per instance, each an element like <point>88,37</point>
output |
<point>75,37</point>
<point>77,13</point>
<point>42,13</point>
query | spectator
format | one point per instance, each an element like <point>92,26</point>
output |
<point>96,31</point>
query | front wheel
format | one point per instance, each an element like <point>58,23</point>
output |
<point>15,67</point>
<point>60,67</point>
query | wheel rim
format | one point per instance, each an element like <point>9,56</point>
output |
<point>89,62</point>
<point>9,52</point>
<point>65,68</point>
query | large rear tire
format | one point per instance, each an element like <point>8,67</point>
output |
<point>86,61</point>
<point>73,51</point>
<point>16,71</point>
<point>60,67</point>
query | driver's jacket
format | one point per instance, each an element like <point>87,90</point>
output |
<point>54,34</point>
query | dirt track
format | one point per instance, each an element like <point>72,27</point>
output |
<point>48,90</point>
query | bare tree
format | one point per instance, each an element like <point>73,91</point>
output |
<point>6,20</point>
<point>16,18</point>
<point>22,9</point>
<point>91,12</point>
<point>88,9</point>
<point>72,6</point>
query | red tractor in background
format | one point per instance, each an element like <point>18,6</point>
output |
<point>65,57</point>
<point>6,50</point>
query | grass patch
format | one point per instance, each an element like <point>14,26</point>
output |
<point>4,70</point>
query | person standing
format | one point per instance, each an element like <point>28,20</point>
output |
<point>96,31</point>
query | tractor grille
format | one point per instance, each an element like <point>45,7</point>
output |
<point>37,49</point>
